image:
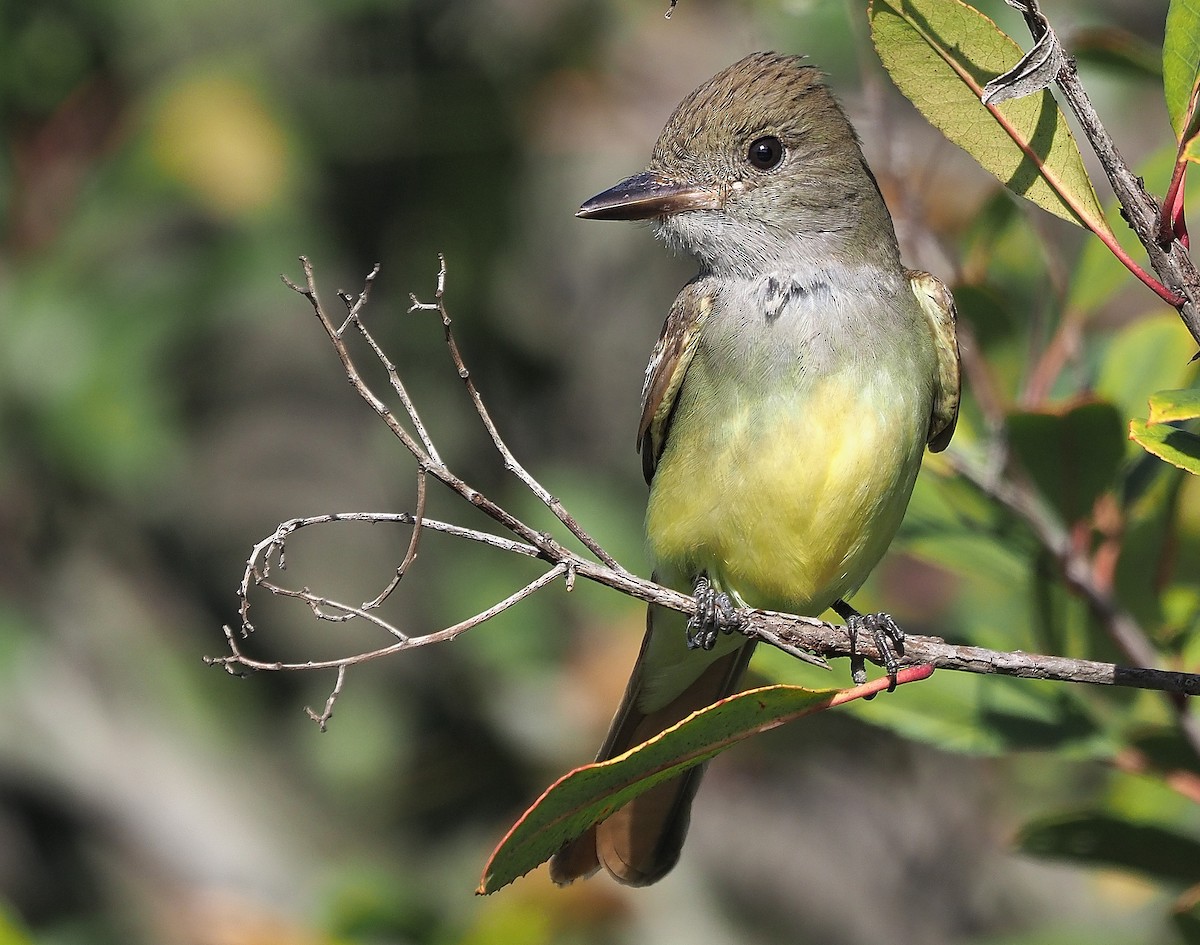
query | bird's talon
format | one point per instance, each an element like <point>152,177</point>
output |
<point>726,617</point>
<point>886,634</point>
<point>699,636</point>
<point>715,613</point>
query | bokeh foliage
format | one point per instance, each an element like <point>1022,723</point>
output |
<point>164,401</point>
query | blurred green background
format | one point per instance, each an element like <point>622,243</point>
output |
<point>165,401</point>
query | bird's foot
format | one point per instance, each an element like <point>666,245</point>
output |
<point>715,613</point>
<point>884,631</point>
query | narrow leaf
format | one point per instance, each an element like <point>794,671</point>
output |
<point>1166,749</point>
<point>1099,839</point>
<point>1181,67</point>
<point>1168,405</point>
<point>591,793</point>
<point>940,54</point>
<point>1177,447</point>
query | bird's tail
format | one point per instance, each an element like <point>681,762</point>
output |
<point>641,842</point>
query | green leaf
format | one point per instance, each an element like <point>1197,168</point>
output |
<point>1150,502</point>
<point>1177,447</point>
<point>1060,622</point>
<point>1148,355</point>
<point>1165,749</point>
<point>1168,405</point>
<point>954,526</point>
<point>589,794</point>
<point>1158,437</point>
<point>1100,839</point>
<point>940,54</point>
<point>1181,67</point>
<point>1071,455</point>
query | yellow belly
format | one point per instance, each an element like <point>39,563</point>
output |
<point>786,500</point>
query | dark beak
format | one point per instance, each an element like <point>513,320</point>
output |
<point>647,195</point>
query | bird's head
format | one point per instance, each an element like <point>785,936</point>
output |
<point>757,167</point>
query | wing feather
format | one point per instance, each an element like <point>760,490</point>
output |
<point>668,365</point>
<point>937,304</point>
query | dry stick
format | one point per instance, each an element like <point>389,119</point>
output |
<point>788,632</point>
<point>436,468</point>
<point>258,570</point>
<point>327,713</point>
<point>510,461</point>
<point>237,660</point>
<point>258,565</point>
<point>834,640</point>
<point>1172,262</point>
<point>975,659</point>
<point>414,540</point>
<point>427,458</point>
<point>354,309</point>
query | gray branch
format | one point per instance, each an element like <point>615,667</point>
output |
<point>798,636</point>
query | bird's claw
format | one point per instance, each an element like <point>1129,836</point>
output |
<point>715,613</point>
<point>884,632</point>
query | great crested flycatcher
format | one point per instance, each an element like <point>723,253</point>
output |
<point>785,409</point>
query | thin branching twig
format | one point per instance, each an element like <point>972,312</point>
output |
<point>792,634</point>
<point>510,461</point>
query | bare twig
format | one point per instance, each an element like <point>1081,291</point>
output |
<point>788,632</point>
<point>510,461</point>
<point>530,541</point>
<point>424,459</point>
<point>792,634</point>
<point>327,713</point>
<point>238,661</point>
<point>352,316</point>
<point>414,540</point>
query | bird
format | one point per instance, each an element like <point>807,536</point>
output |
<point>786,407</point>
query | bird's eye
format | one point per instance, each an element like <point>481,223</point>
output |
<point>766,153</point>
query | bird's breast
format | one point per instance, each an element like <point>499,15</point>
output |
<point>791,454</point>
